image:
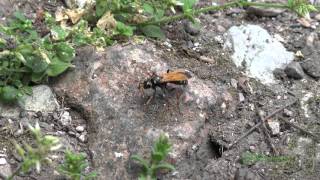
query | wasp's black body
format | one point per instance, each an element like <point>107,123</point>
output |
<point>178,77</point>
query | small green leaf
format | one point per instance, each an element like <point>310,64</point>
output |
<point>153,31</point>
<point>188,5</point>
<point>164,166</point>
<point>9,94</point>
<point>18,15</point>
<point>141,161</point>
<point>123,29</point>
<point>157,156</point>
<point>58,33</point>
<point>36,63</point>
<point>20,57</point>
<point>25,49</point>
<point>64,51</point>
<point>101,7</point>
<point>147,8</point>
<point>159,14</point>
<point>37,77</point>
<point>57,67</point>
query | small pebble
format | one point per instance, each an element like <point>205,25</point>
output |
<point>274,126</point>
<point>65,118</point>
<point>234,83</point>
<point>206,59</point>
<point>252,148</point>
<point>241,97</point>
<point>82,138</point>
<point>72,134</point>
<point>220,28</point>
<point>3,161</point>
<point>219,39</point>
<point>118,155</point>
<point>287,113</point>
<point>80,128</point>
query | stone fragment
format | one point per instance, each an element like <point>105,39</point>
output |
<point>3,161</point>
<point>311,66</point>
<point>42,99</point>
<point>274,126</point>
<point>294,70</point>
<point>257,52</point>
<point>80,129</point>
<point>65,118</point>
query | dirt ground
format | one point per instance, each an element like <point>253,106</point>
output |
<point>204,55</point>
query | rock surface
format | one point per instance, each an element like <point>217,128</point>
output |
<point>245,174</point>
<point>9,111</point>
<point>256,51</point>
<point>294,70</point>
<point>312,66</point>
<point>5,169</point>
<point>42,99</point>
<point>104,87</point>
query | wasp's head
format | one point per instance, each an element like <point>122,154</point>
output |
<point>147,84</point>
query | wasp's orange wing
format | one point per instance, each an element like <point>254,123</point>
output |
<point>177,75</point>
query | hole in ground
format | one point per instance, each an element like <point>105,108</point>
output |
<point>216,148</point>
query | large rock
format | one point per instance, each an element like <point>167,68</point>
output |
<point>257,52</point>
<point>104,86</point>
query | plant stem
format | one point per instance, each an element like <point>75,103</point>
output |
<point>196,12</point>
<point>216,8</point>
<point>266,5</point>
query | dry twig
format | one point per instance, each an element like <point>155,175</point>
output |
<point>315,137</point>
<point>258,124</point>
<point>266,133</point>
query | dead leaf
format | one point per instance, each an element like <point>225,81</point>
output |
<point>304,22</point>
<point>60,15</point>
<point>107,21</point>
<point>244,85</point>
<point>139,18</point>
<point>74,14</point>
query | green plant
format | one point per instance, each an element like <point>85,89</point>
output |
<point>249,158</point>
<point>35,156</point>
<point>26,57</point>
<point>160,150</point>
<point>74,166</point>
<point>29,55</point>
<point>301,7</point>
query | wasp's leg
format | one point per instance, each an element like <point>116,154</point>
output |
<point>151,97</point>
<point>164,90</point>
<point>178,96</point>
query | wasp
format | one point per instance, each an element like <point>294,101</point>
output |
<point>178,77</point>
